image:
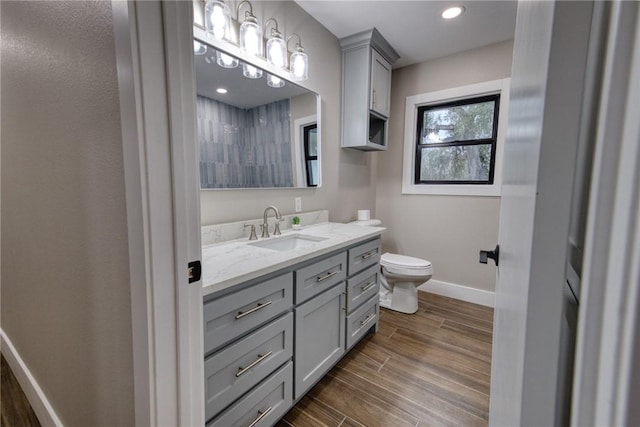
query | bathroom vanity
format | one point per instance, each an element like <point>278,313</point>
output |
<point>294,306</point>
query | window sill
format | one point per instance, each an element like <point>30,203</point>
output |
<point>453,190</point>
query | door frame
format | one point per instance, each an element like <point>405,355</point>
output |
<point>153,56</point>
<point>606,387</point>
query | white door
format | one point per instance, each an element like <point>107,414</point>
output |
<point>546,102</point>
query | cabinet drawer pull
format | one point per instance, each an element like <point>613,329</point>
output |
<point>326,276</point>
<point>368,255</point>
<point>241,314</point>
<point>260,358</point>
<point>261,415</point>
<point>368,286</point>
<point>368,319</point>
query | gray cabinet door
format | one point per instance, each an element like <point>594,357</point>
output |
<point>234,370</point>
<point>380,84</point>
<point>363,256</point>
<point>320,276</point>
<point>362,286</point>
<point>230,316</point>
<point>319,337</point>
<point>362,320</point>
<point>262,406</point>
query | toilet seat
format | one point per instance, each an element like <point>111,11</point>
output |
<point>405,265</point>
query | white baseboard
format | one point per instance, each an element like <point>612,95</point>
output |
<point>41,406</point>
<point>461,292</point>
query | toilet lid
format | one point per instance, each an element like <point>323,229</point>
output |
<point>404,261</point>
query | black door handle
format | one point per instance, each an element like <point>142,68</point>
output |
<point>494,255</point>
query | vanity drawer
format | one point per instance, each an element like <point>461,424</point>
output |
<point>320,276</point>
<point>363,256</point>
<point>361,320</point>
<point>264,405</point>
<point>362,287</point>
<point>232,315</point>
<point>236,369</point>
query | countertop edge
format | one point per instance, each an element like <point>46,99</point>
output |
<point>229,283</point>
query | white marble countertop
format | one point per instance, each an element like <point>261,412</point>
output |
<point>230,263</point>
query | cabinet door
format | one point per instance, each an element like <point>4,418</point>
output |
<point>380,84</point>
<point>319,337</point>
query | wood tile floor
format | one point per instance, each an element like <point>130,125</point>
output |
<point>428,369</point>
<point>15,410</point>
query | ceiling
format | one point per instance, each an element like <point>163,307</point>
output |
<point>414,28</point>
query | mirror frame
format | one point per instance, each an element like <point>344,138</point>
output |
<point>200,35</point>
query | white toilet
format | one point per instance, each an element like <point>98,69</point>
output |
<point>401,276</point>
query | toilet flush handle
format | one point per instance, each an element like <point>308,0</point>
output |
<point>494,255</point>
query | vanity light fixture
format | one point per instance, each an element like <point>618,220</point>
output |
<point>453,12</point>
<point>217,19</point>
<point>199,48</point>
<point>250,40</point>
<point>276,53</point>
<point>221,90</point>
<point>299,60</point>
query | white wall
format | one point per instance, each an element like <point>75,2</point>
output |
<point>65,276</point>
<point>348,180</point>
<point>447,230</point>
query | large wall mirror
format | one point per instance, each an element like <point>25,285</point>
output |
<point>252,135</point>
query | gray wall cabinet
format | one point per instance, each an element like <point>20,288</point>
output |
<point>366,88</point>
<point>268,341</point>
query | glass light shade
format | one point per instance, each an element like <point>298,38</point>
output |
<point>226,61</point>
<point>274,81</point>
<point>251,36</point>
<point>300,65</point>
<point>277,52</point>
<point>217,19</point>
<point>251,72</point>
<point>199,48</point>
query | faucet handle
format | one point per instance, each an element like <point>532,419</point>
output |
<point>276,231</point>
<point>252,235</point>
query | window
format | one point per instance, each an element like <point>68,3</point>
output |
<point>456,141</point>
<point>310,135</point>
<point>453,140</point>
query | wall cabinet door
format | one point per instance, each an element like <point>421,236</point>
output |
<point>319,337</point>
<point>380,84</point>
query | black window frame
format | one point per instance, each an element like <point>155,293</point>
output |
<point>307,157</point>
<point>492,141</point>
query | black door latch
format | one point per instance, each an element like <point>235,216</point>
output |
<point>494,255</point>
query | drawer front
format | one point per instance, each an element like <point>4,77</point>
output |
<point>232,315</point>
<point>320,276</point>
<point>361,320</point>
<point>319,344</point>
<point>363,256</point>
<point>362,287</point>
<point>262,406</point>
<point>237,368</point>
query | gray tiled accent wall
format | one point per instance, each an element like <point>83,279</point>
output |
<point>244,148</point>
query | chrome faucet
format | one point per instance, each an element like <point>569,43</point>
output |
<point>265,225</point>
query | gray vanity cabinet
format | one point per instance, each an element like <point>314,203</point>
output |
<point>366,87</point>
<point>271,340</point>
<point>319,337</point>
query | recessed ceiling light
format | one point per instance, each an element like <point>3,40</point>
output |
<point>453,12</point>
<point>221,90</point>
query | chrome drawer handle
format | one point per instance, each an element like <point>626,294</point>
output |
<point>368,255</point>
<point>368,319</point>
<point>326,276</point>
<point>261,415</point>
<point>241,314</point>
<point>368,286</point>
<point>260,358</point>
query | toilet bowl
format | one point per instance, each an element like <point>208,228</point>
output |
<point>400,278</point>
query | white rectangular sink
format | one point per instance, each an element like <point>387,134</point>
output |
<point>289,242</point>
